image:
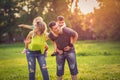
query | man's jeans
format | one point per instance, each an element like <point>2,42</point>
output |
<point>70,56</point>
<point>31,58</point>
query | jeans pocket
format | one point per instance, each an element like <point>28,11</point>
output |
<point>27,51</point>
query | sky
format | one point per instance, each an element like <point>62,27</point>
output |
<point>87,6</point>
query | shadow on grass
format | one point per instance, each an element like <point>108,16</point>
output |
<point>94,54</point>
<point>14,45</point>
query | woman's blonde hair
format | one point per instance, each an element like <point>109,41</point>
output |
<point>42,27</point>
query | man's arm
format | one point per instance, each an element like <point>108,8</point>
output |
<point>72,33</point>
<point>74,39</point>
<point>56,49</point>
<point>25,26</point>
<point>55,46</point>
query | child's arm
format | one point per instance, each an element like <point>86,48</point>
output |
<point>64,25</point>
<point>25,26</point>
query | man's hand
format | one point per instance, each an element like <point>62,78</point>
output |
<point>59,51</point>
<point>67,48</point>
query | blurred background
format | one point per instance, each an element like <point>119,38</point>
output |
<point>92,19</point>
<point>97,49</point>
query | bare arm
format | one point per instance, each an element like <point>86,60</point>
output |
<point>74,39</point>
<point>56,49</point>
<point>28,39</point>
<point>55,46</point>
<point>25,26</point>
<point>47,37</point>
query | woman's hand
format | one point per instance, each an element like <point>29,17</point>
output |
<point>27,41</point>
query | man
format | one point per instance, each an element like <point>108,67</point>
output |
<point>61,23</point>
<point>64,39</point>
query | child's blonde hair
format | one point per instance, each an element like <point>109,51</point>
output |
<point>37,19</point>
<point>41,26</point>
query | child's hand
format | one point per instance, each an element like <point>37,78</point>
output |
<point>21,25</point>
<point>24,51</point>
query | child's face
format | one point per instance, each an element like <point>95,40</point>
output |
<point>61,23</point>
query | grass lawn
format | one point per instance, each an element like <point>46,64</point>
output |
<point>96,60</point>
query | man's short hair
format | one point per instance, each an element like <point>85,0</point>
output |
<point>60,18</point>
<point>52,23</point>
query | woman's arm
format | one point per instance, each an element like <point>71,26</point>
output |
<point>28,39</point>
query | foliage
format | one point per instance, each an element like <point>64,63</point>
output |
<point>8,9</point>
<point>103,24</point>
<point>106,20</point>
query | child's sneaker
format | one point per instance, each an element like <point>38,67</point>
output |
<point>54,54</point>
<point>24,51</point>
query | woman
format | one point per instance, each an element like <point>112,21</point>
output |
<point>36,41</point>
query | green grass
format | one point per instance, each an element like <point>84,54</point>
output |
<point>96,60</point>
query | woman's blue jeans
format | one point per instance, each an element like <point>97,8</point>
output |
<point>31,59</point>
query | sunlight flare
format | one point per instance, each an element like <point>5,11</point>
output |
<point>88,6</point>
<point>85,6</point>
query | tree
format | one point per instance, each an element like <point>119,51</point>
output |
<point>8,9</point>
<point>106,20</point>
